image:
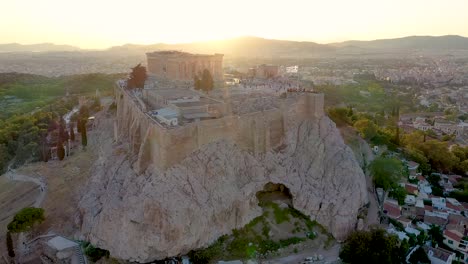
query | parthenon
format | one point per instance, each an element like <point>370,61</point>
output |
<point>179,65</point>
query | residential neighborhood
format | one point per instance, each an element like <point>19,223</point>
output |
<point>423,212</point>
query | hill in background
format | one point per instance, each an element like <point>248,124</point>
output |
<point>449,42</point>
<point>261,47</point>
<point>41,47</point>
<point>239,47</point>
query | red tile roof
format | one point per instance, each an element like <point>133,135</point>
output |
<point>411,188</point>
<point>434,220</point>
<point>465,205</point>
<point>428,208</point>
<point>404,221</point>
<point>392,210</point>
<point>454,207</point>
<point>453,235</point>
<point>456,219</point>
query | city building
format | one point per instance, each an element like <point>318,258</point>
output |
<point>264,71</point>
<point>439,255</point>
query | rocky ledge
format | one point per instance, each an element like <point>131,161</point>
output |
<point>166,213</point>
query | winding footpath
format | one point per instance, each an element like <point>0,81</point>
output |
<point>12,175</point>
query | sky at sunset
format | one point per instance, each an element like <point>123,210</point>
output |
<point>104,23</point>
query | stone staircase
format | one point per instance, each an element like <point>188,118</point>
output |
<point>80,256</point>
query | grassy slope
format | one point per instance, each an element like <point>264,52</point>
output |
<point>279,227</point>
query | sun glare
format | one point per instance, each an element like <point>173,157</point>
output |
<point>99,24</point>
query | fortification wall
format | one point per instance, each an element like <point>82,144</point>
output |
<point>163,147</point>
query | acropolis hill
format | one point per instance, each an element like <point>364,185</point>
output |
<point>187,165</point>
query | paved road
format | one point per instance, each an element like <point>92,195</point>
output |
<point>329,256</point>
<point>372,211</point>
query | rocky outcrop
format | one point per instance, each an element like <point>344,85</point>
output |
<point>165,213</point>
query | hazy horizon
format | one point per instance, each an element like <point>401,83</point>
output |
<point>98,25</point>
<point>244,36</point>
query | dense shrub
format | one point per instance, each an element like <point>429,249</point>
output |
<point>25,219</point>
<point>375,246</point>
<point>94,253</point>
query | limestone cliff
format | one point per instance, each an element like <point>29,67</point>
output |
<point>213,190</point>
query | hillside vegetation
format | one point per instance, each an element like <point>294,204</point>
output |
<point>31,104</point>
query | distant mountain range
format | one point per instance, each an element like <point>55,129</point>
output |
<point>41,47</point>
<point>243,46</point>
<point>260,47</point>
<point>449,42</point>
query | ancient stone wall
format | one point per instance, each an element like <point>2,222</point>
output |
<point>184,66</point>
<point>164,147</point>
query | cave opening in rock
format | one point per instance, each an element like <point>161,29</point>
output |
<point>278,227</point>
<point>274,192</point>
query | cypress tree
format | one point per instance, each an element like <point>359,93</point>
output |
<point>84,137</point>
<point>60,151</point>
<point>207,83</point>
<point>137,77</point>
<point>44,148</point>
<point>72,133</point>
<point>197,83</point>
<point>63,135</point>
<point>9,243</point>
<point>78,125</point>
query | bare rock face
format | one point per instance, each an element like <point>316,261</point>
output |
<point>160,214</point>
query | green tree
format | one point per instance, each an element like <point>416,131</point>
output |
<point>366,128</point>
<point>84,136</point>
<point>419,256</point>
<point>82,121</point>
<point>463,117</point>
<point>413,140</point>
<point>83,113</point>
<point>4,157</point>
<point>137,77</point>
<point>375,246</point>
<point>461,196</point>
<point>72,133</point>
<point>9,244</point>
<point>386,172</point>
<point>78,125</point>
<point>434,107</point>
<point>340,115</point>
<point>462,167</point>
<point>460,152</point>
<point>95,253</point>
<point>418,156</point>
<point>63,134</point>
<point>207,83</point>
<point>399,193</point>
<point>25,219</point>
<point>44,148</point>
<point>197,83</point>
<point>436,152</point>
<point>435,232</point>
<point>60,151</point>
